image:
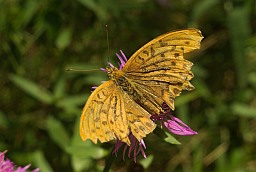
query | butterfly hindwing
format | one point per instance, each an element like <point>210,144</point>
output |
<point>139,119</point>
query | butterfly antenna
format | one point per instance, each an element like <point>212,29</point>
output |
<point>107,41</point>
<point>81,70</point>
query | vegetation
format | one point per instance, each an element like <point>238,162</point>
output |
<point>41,103</point>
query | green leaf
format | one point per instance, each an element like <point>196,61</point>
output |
<point>57,132</point>
<point>86,151</point>
<point>59,88</point>
<point>171,139</point>
<point>252,78</point>
<point>29,11</point>
<point>72,104</point>
<point>201,8</point>
<point>165,136</point>
<point>239,28</point>
<point>32,89</point>
<point>3,120</point>
<point>97,7</point>
<point>64,38</point>
<point>244,110</point>
<point>41,162</point>
<point>186,98</point>
<point>147,162</point>
<point>81,164</point>
<point>72,101</point>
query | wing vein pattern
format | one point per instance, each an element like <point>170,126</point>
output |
<point>111,114</point>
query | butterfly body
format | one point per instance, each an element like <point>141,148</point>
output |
<point>118,76</point>
<point>122,80</point>
<point>155,74</point>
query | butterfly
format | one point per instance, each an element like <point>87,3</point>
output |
<point>153,75</point>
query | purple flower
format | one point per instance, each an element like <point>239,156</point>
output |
<point>122,59</point>
<point>172,123</point>
<point>176,126</point>
<point>8,166</point>
<point>134,149</point>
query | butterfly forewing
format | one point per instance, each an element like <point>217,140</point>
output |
<point>111,114</point>
<point>159,71</point>
<point>182,41</point>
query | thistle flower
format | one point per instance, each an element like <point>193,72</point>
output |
<point>8,166</point>
<point>134,149</point>
<point>122,59</point>
<point>172,123</point>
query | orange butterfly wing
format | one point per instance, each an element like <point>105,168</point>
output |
<point>158,70</point>
<point>110,114</point>
<point>181,41</point>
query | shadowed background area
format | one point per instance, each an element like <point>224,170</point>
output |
<point>41,103</point>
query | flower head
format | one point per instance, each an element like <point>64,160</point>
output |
<point>172,123</point>
<point>8,166</point>
<point>134,149</point>
<point>122,58</point>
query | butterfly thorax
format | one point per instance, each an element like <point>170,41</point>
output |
<point>125,84</point>
<point>118,76</point>
<point>113,73</point>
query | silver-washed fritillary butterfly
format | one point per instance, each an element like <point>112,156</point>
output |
<point>155,74</point>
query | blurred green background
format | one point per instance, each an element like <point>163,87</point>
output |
<point>41,103</point>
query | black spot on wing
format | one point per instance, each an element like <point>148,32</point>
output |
<point>176,55</point>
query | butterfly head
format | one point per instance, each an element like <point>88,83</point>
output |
<point>113,72</point>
